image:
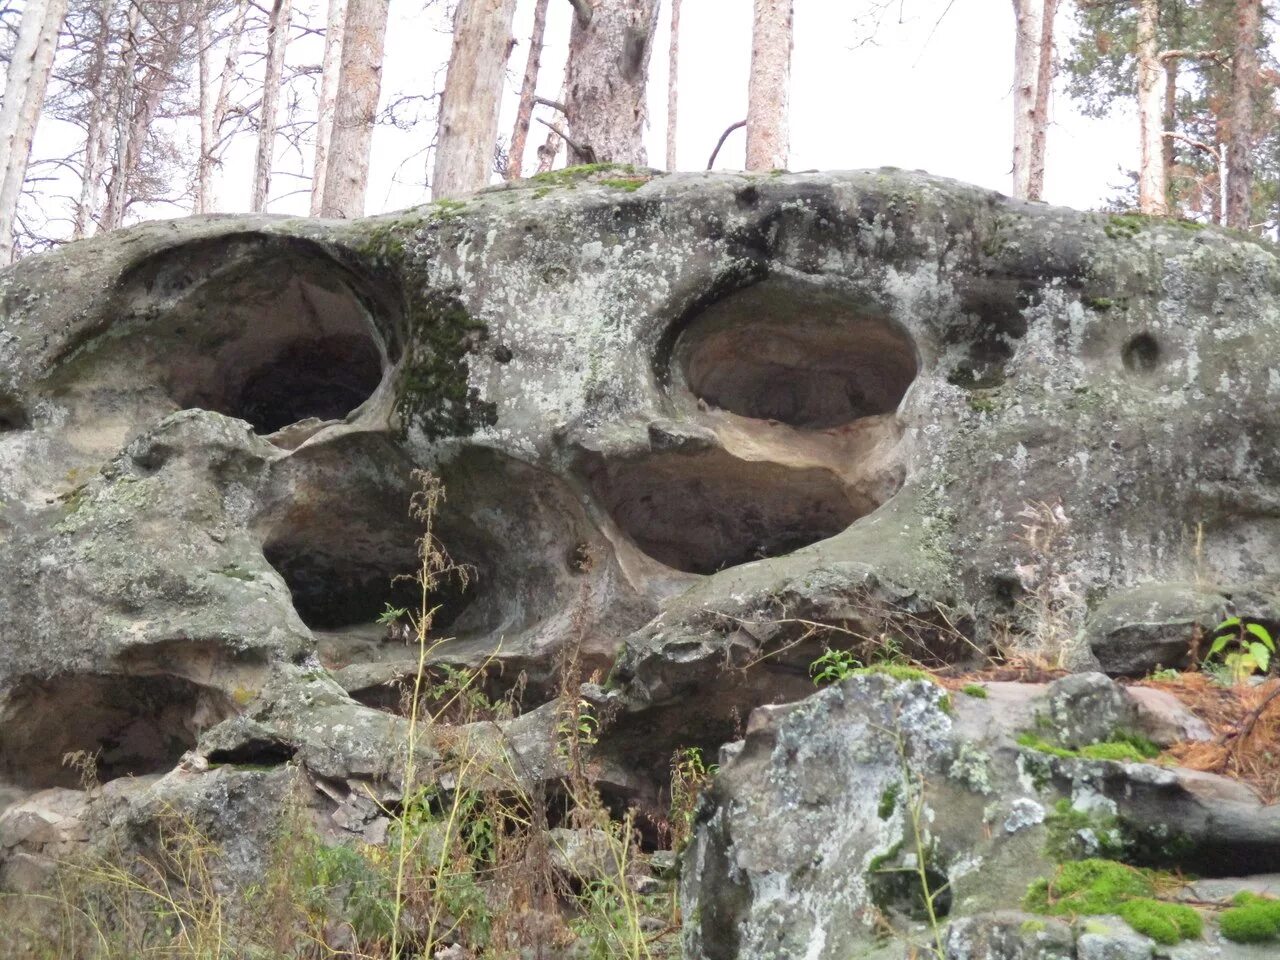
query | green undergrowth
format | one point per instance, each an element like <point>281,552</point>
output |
<point>1252,919</point>
<point>1098,886</point>
<point>974,690</point>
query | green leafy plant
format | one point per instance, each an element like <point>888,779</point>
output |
<point>832,667</point>
<point>690,775</point>
<point>1245,648</point>
<point>391,615</point>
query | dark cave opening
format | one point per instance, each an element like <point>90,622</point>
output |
<point>706,511</point>
<point>797,355</point>
<point>325,378</point>
<point>273,338</point>
<point>129,725</point>
<point>348,581</point>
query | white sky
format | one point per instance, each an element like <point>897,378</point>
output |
<point>926,94</point>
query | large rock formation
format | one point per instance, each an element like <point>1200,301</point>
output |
<point>693,427</point>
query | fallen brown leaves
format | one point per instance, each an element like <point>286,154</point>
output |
<point>1245,720</point>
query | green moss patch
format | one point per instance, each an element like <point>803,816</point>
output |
<point>1124,746</point>
<point>889,800</point>
<point>899,671</point>
<point>434,393</point>
<point>1098,886</point>
<point>974,690</point>
<point>1088,886</point>
<point>1166,923</point>
<point>1254,919</point>
<point>629,184</point>
<point>571,176</point>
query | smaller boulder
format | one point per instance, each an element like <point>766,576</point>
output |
<point>1155,625</point>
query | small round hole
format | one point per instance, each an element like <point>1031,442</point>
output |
<point>1141,354</point>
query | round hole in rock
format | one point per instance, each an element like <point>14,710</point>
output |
<point>274,334</point>
<point>337,585</point>
<point>1141,354</point>
<point>12,415</point>
<point>706,511</point>
<point>135,725</point>
<point>796,354</point>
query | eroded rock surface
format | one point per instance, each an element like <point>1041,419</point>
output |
<point>695,432</point>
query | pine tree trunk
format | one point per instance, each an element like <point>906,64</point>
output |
<point>334,29</point>
<point>1026,66</point>
<point>472,96</point>
<point>23,99</point>
<point>673,89</point>
<point>359,87</point>
<point>1168,118</point>
<point>1244,84</point>
<point>277,41</point>
<point>1044,86</point>
<point>113,213</point>
<point>204,79</point>
<point>213,111</point>
<point>768,142</point>
<point>606,81</point>
<point>142,92</point>
<point>97,132</point>
<point>528,89</point>
<point>1152,189</point>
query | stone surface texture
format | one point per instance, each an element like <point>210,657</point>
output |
<point>695,428</point>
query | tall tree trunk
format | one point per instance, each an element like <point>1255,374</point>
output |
<point>606,80</point>
<point>97,132</point>
<point>335,28</point>
<point>142,91</point>
<point>1152,188</point>
<point>204,169</point>
<point>113,213</point>
<point>528,90</point>
<point>1044,86</point>
<point>359,87</point>
<point>1244,85</point>
<point>1169,118</point>
<point>23,98</point>
<point>213,110</point>
<point>768,142</point>
<point>472,96</point>
<point>673,89</point>
<point>277,41</point>
<point>1026,65</point>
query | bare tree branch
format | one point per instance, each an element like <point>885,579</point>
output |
<point>720,143</point>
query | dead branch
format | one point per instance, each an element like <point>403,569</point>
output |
<point>720,143</point>
<point>585,151</point>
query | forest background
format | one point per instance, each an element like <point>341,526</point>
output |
<point>161,108</point>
